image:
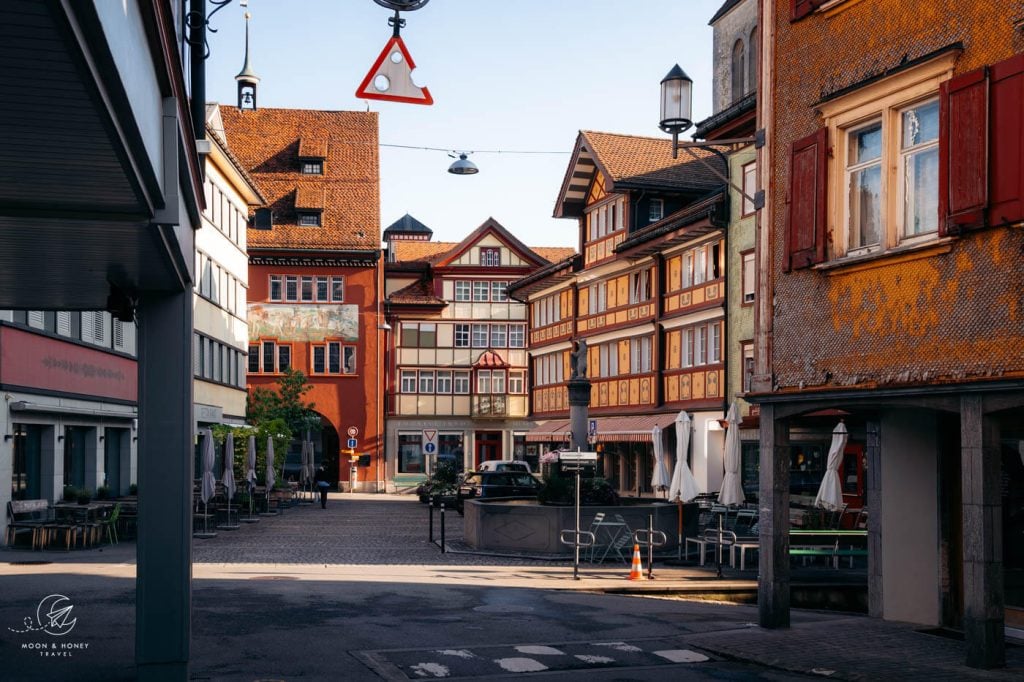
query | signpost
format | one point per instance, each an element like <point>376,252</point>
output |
<point>575,461</point>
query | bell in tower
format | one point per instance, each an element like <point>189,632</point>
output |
<point>247,78</point>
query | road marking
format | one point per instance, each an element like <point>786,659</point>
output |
<point>461,653</point>
<point>618,646</point>
<point>594,659</point>
<point>430,670</point>
<point>681,656</point>
<point>540,650</point>
<point>521,665</point>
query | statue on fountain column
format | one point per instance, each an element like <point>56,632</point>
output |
<point>578,360</point>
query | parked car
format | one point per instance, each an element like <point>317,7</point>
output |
<point>517,465</point>
<point>495,484</point>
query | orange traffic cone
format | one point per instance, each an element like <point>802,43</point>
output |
<point>637,571</point>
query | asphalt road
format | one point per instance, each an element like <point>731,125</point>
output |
<point>357,593</point>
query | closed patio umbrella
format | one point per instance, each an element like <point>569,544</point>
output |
<point>209,484</point>
<point>270,474</point>
<point>684,486</point>
<point>830,494</point>
<point>270,463</point>
<point>228,479</point>
<point>659,479</point>
<point>732,489</point>
<point>250,476</point>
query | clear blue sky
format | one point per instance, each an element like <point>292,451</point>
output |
<point>508,75</point>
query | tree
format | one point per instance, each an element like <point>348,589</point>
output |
<point>264,405</point>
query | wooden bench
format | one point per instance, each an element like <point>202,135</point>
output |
<point>27,517</point>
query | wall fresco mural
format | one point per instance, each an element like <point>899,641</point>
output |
<point>289,322</point>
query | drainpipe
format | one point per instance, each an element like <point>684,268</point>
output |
<point>197,57</point>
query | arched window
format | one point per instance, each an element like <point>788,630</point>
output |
<point>738,71</point>
<point>752,61</point>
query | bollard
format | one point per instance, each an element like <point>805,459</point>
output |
<point>430,513</point>
<point>442,528</point>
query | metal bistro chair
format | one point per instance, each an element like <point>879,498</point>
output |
<point>109,523</point>
<point>595,524</point>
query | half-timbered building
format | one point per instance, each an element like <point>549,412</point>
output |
<point>457,359</point>
<point>647,295</point>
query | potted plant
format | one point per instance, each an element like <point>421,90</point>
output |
<point>103,492</point>
<point>71,493</point>
<point>84,495</point>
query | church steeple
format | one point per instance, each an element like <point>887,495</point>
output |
<point>247,78</point>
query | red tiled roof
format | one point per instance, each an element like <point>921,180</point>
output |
<point>648,161</point>
<point>417,293</point>
<point>553,254</point>
<point>416,251</point>
<point>267,142</point>
<point>307,196</point>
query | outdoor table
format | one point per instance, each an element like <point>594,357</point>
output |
<point>606,533</point>
<point>81,512</point>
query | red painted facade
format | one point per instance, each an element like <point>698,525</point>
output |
<point>40,362</point>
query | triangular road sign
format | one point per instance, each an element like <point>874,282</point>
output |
<point>390,77</point>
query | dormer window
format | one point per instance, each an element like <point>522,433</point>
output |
<point>312,152</point>
<point>656,210</point>
<point>309,219</point>
<point>490,256</point>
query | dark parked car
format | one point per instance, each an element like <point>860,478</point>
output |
<point>492,484</point>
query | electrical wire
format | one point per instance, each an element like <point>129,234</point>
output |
<point>471,151</point>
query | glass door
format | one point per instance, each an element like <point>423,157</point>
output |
<point>26,479</point>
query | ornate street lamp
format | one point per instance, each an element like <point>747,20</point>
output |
<point>676,105</point>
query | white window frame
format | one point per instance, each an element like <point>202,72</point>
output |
<point>749,174</point>
<point>481,291</point>
<point>408,381</point>
<point>516,382</point>
<point>278,282</point>
<point>444,381</point>
<point>882,100</point>
<point>517,336</point>
<point>480,336</point>
<point>462,335</point>
<point>460,383</point>
<point>748,273</point>
<point>463,291</point>
<point>655,210</point>
<point>426,381</point>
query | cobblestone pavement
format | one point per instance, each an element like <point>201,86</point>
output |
<point>354,529</point>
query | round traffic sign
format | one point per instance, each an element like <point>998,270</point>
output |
<point>353,432</point>
<point>429,448</point>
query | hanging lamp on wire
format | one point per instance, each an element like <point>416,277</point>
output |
<point>462,165</point>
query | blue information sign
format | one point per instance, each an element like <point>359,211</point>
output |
<point>429,448</point>
<point>351,443</point>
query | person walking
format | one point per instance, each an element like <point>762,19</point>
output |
<point>322,484</point>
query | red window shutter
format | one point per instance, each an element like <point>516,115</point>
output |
<point>798,9</point>
<point>1006,153</point>
<point>806,230</point>
<point>963,152</point>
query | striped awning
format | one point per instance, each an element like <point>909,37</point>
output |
<point>554,431</point>
<point>631,429</point>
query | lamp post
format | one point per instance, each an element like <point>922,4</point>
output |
<point>676,105</point>
<point>676,118</point>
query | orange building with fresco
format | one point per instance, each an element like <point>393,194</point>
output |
<point>314,273</point>
<point>890,295</point>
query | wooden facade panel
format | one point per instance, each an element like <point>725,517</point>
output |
<point>622,284</point>
<point>675,273</point>
<point>697,387</point>
<point>674,341</point>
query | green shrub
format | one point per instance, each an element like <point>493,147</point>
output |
<point>71,493</point>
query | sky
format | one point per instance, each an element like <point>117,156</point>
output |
<point>508,75</point>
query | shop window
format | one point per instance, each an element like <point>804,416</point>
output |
<point>410,453</point>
